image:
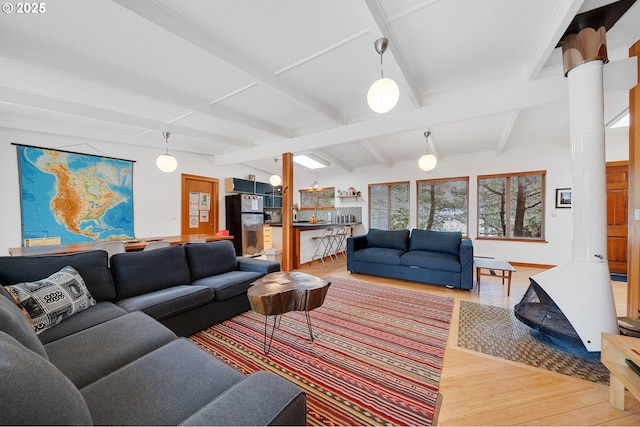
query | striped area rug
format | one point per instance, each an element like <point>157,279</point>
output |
<point>376,358</point>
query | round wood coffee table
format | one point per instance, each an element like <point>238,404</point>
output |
<point>285,291</point>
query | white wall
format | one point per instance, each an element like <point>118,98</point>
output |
<point>157,195</point>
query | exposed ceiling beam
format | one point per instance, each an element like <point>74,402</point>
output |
<point>61,61</point>
<point>379,20</point>
<point>185,30</point>
<point>565,11</point>
<point>386,162</point>
<point>504,138</point>
<point>41,102</point>
<point>508,98</point>
<point>335,160</point>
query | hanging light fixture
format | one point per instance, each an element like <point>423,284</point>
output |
<point>315,185</point>
<point>166,162</point>
<point>384,93</point>
<point>275,179</point>
<point>429,161</point>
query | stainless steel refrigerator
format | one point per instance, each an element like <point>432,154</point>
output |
<point>245,221</point>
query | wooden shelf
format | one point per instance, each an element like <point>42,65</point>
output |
<point>348,197</point>
<point>615,349</point>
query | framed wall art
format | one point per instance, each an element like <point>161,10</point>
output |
<point>563,197</point>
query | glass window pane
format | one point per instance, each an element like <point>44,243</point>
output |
<point>526,206</point>
<point>443,205</point>
<point>492,205</point>
<point>389,206</point>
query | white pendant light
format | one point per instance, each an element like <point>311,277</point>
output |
<point>384,93</point>
<point>429,161</point>
<point>275,179</point>
<point>166,162</point>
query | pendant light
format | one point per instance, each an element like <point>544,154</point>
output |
<point>166,162</point>
<point>429,161</point>
<point>275,179</point>
<point>384,93</point>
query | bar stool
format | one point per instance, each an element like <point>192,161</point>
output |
<point>322,245</point>
<point>341,245</point>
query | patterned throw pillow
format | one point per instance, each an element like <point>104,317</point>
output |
<point>49,301</point>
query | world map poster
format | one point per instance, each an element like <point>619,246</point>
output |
<point>71,197</point>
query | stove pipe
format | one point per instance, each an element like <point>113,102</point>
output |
<point>582,288</point>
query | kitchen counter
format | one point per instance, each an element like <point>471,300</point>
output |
<point>308,225</point>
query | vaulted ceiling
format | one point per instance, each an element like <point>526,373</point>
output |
<point>246,80</point>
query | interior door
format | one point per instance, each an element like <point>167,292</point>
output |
<point>617,216</point>
<point>199,205</point>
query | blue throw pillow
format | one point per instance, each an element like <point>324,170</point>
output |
<point>436,241</point>
<point>392,239</point>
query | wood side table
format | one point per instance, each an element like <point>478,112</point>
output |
<point>616,349</point>
<point>492,265</point>
<point>282,292</point>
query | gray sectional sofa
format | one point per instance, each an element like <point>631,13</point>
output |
<point>110,357</point>
<point>426,256</point>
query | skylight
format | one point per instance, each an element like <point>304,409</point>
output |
<point>310,161</point>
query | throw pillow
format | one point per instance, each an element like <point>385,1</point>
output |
<point>392,239</point>
<point>49,301</point>
<point>435,241</point>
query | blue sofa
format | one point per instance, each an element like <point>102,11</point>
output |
<point>426,256</point>
<point>111,356</point>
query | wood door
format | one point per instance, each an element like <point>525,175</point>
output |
<point>199,205</point>
<point>617,216</point>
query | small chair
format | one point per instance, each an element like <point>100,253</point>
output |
<point>342,234</point>
<point>156,245</point>
<point>323,243</point>
<point>111,248</point>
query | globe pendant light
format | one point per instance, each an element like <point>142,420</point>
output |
<point>429,161</point>
<point>384,93</point>
<point>166,162</point>
<point>275,179</point>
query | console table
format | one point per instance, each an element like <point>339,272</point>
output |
<point>615,350</point>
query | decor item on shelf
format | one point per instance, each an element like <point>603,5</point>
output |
<point>166,162</point>
<point>384,93</point>
<point>275,179</point>
<point>428,161</point>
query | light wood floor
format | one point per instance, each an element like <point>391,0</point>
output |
<point>483,390</point>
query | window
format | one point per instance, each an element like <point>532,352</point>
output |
<point>511,206</point>
<point>443,204</point>
<point>389,206</point>
<point>319,198</point>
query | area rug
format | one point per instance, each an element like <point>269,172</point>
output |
<point>376,358</point>
<point>497,332</point>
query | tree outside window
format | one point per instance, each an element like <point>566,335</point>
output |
<point>389,206</point>
<point>317,199</point>
<point>443,204</point>
<point>511,206</point>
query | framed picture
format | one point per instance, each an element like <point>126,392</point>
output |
<point>563,197</point>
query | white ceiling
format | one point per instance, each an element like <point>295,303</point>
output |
<point>246,80</point>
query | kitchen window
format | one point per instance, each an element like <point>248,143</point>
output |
<point>318,199</point>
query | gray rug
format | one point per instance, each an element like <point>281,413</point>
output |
<point>497,332</point>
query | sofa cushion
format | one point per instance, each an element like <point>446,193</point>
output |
<point>137,273</point>
<point>99,313</point>
<point>151,390</point>
<point>209,259</point>
<point>92,266</point>
<point>431,260</point>
<point>34,392</point>
<point>435,241</point>
<point>15,323</point>
<point>228,285</point>
<point>392,239</point>
<point>50,300</point>
<point>89,355</point>
<point>168,302</point>
<point>379,255</point>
